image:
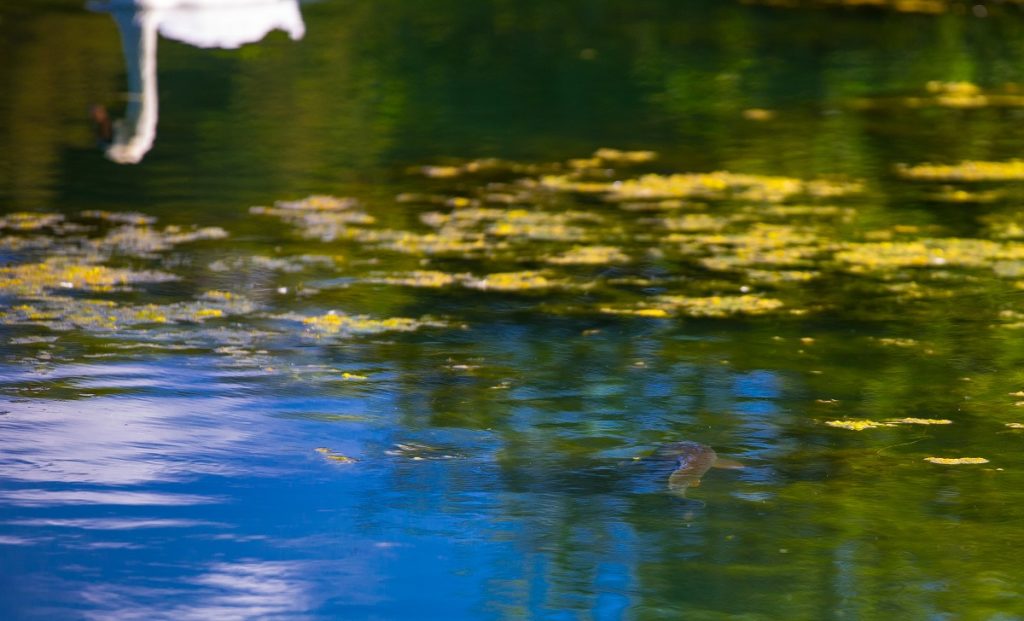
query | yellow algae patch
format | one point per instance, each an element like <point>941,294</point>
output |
<point>711,306</point>
<point>714,185</point>
<point>440,172</point>
<point>122,217</point>
<point>625,157</point>
<point>320,217</point>
<point>221,296</point>
<point>920,421</point>
<point>145,241</point>
<point>896,342</point>
<point>420,278</point>
<point>332,455</point>
<point>949,194</point>
<point>34,278</point>
<point>856,425</point>
<point>927,252</point>
<point>969,170</point>
<point>62,313</point>
<point>438,245</point>
<point>319,202</point>
<point>776,277</point>
<point>695,222</point>
<point>207,313</point>
<point>483,165</point>
<point>658,313</point>
<point>955,461</point>
<point>332,323</point>
<point>540,225</point>
<point>30,221</point>
<point>958,95</point>
<point>758,114</point>
<point>589,255</point>
<point>148,314</point>
<point>513,281</point>
<point>466,217</point>
<point>719,305</point>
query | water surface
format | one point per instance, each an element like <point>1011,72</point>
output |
<point>425,400</point>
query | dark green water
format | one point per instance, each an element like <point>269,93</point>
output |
<point>275,417</point>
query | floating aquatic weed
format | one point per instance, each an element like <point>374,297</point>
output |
<point>969,170</point>
<point>514,281</point>
<point>66,313</point>
<point>772,277</point>
<point>896,342</point>
<point>1003,225</point>
<point>513,225</point>
<point>447,244</point>
<point>758,114</point>
<point>332,455</point>
<point>720,305</point>
<point>668,204</point>
<point>429,279</point>
<point>589,255</point>
<point>717,306</point>
<point>624,157</point>
<point>463,218</point>
<point>954,461</point>
<point>714,185</point>
<point>144,241</point>
<point>335,323</point>
<point>959,95</point>
<point>537,225</point>
<point>30,221</point>
<point>950,194</point>
<point>927,252</point>
<point>123,217</point>
<point>421,452</point>
<point>319,202</point>
<point>319,217</point>
<point>857,425</point>
<point>286,264</point>
<point>791,212</point>
<point>920,421</point>
<point>695,222</point>
<point>35,279</point>
<point>656,313</point>
<point>484,165</point>
<point>760,246</point>
<point>913,290</point>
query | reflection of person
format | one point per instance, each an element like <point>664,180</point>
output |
<point>202,23</point>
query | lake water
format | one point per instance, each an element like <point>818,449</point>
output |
<point>394,303</point>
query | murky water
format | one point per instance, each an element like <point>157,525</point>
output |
<point>397,301</point>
